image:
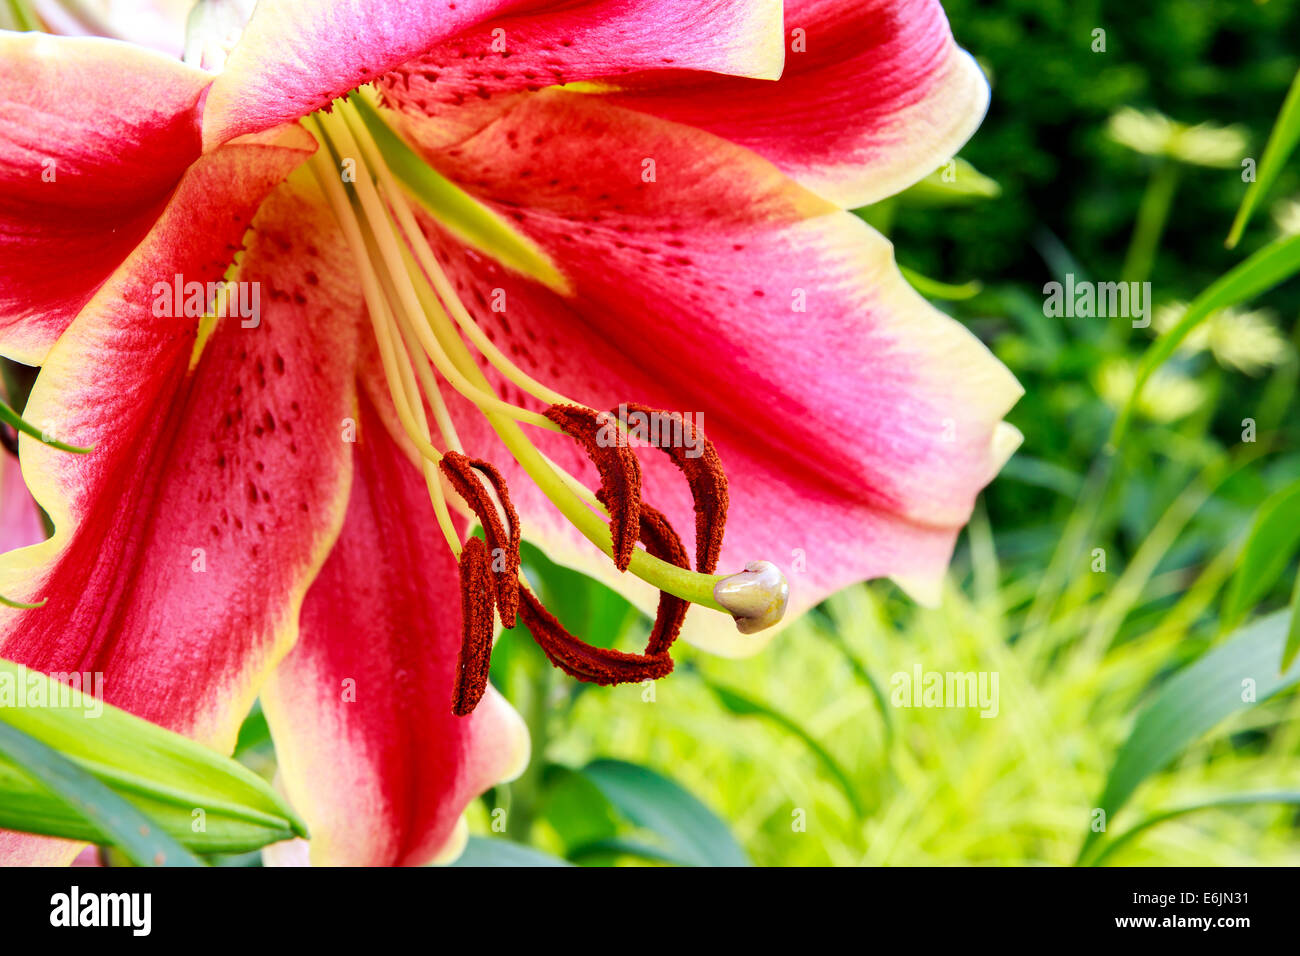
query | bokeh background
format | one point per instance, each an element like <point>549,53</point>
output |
<point>797,756</point>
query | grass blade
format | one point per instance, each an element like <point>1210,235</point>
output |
<point>1235,800</point>
<point>1274,537</point>
<point>743,706</point>
<point>1275,263</point>
<point>1281,142</point>
<point>1192,702</point>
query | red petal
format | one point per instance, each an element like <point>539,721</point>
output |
<point>185,541</point>
<point>94,136</point>
<point>370,752</point>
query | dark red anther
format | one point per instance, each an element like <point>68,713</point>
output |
<point>476,601</point>
<point>664,543</point>
<point>620,473</point>
<point>459,470</point>
<point>707,481</point>
<point>595,665</point>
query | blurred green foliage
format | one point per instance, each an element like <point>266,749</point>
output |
<point>1223,61</point>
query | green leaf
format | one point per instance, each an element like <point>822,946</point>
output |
<point>692,833</point>
<point>1234,800</point>
<point>106,816</point>
<point>1274,538</point>
<point>1293,632</point>
<point>1192,702</point>
<point>743,706</point>
<point>254,732</point>
<point>460,212</point>
<point>1281,142</point>
<point>934,289</point>
<point>576,809</point>
<point>954,183</point>
<point>164,775</point>
<point>1276,262</point>
<point>489,851</point>
<point>614,847</point>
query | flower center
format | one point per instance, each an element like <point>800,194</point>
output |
<point>426,337</point>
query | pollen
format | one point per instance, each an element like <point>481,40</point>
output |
<point>476,599</point>
<point>620,473</point>
<point>460,471</point>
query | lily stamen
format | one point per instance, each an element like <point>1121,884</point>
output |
<point>460,471</point>
<point>476,599</point>
<point>415,312</point>
<point>620,476</point>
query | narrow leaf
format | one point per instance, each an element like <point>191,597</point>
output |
<point>109,819</point>
<point>934,289</point>
<point>1281,142</point>
<point>207,801</point>
<point>617,847</point>
<point>14,420</point>
<point>1293,632</point>
<point>1230,678</point>
<point>1275,263</point>
<point>956,182</point>
<point>1274,538</point>
<point>1234,800</point>
<point>691,831</point>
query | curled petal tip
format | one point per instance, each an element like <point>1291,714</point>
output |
<point>756,597</point>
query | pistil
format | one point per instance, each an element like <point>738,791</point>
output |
<point>419,322</point>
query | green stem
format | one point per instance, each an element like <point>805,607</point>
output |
<point>525,793</point>
<point>1153,213</point>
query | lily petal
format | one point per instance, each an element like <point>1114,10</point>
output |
<point>94,136</point>
<point>296,57</point>
<point>186,540</point>
<point>856,423</point>
<point>603,40</point>
<point>370,752</point>
<point>875,95</point>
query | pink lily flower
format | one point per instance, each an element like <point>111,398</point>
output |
<point>643,205</point>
